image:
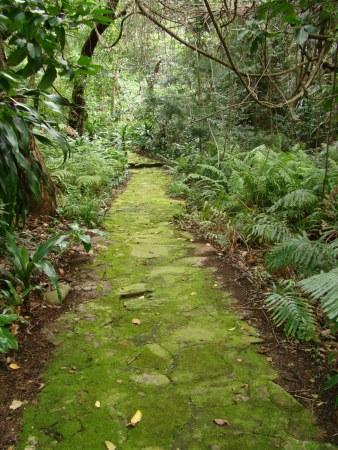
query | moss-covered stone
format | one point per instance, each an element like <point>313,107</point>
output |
<point>191,359</point>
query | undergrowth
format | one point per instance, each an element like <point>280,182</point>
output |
<point>85,181</point>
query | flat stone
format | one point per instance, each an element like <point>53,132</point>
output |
<point>164,270</point>
<point>52,298</point>
<point>193,334</point>
<point>154,379</point>
<point>134,290</point>
<point>149,251</point>
<point>159,351</point>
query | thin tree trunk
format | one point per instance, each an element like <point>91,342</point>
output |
<point>77,113</point>
<point>46,205</point>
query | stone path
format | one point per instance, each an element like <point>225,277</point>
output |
<point>186,361</point>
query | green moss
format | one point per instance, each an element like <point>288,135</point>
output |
<point>191,359</point>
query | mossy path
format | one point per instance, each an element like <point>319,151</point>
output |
<point>191,359</point>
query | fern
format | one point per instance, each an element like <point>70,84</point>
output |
<point>291,311</point>
<point>213,172</point>
<point>268,229</point>
<point>89,182</point>
<point>324,287</point>
<point>202,179</point>
<point>303,255</point>
<point>296,203</point>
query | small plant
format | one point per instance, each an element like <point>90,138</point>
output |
<point>26,265</point>
<point>7,340</point>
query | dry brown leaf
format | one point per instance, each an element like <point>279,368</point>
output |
<point>136,322</point>
<point>15,329</point>
<point>137,417</point>
<point>14,366</point>
<point>15,405</point>
<point>109,445</point>
<point>221,422</point>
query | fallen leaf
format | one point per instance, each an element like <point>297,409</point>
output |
<point>137,417</point>
<point>15,329</point>
<point>15,405</point>
<point>14,366</point>
<point>136,322</point>
<point>221,422</point>
<point>97,404</point>
<point>109,445</point>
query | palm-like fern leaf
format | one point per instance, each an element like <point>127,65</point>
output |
<point>291,311</point>
<point>303,255</point>
<point>324,287</point>
<point>300,200</point>
<point>212,172</point>
<point>268,229</point>
<point>89,181</point>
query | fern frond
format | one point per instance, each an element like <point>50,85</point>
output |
<point>89,181</point>
<point>324,287</point>
<point>61,175</point>
<point>212,172</point>
<point>268,229</point>
<point>300,200</point>
<point>291,311</point>
<point>303,255</point>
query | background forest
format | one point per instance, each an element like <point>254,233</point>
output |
<point>237,98</point>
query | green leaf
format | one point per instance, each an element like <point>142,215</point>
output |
<point>7,341</point>
<point>331,382</point>
<point>7,319</point>
<point>84,60</point>
<point>44,248</point>
<point>324,287</point>
<point>34,50</point>
<point>48,78</point>
<point>17,56</point>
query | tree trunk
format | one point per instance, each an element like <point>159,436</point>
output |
<point>77,112</point>
<point>46,205</point>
